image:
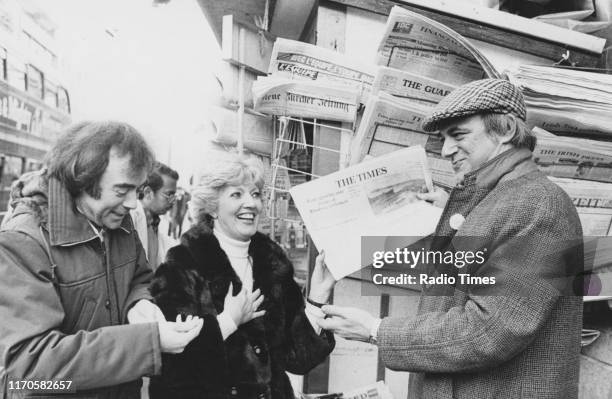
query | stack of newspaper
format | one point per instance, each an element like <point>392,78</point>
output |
<point>421,61</point>
<point>390,124</point>
<point>572,157</point>
<point>566,101</point>
<point>594,203</point>
<point>306,99</point>
<point>310,81</point>
<point>427,48</point>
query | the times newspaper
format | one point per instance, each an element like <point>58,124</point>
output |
<point>375,197</point>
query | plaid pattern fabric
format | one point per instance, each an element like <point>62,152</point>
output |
<point>486,95</point>
<point>515,339</point>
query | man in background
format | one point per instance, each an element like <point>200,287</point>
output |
<point>156,197</point>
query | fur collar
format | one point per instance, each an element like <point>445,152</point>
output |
<point>270,264</point>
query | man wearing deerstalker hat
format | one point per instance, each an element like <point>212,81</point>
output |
<point>518,337</point>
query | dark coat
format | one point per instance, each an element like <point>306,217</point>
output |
<point>252,362</point>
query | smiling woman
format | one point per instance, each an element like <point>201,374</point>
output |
<point>241,283</point>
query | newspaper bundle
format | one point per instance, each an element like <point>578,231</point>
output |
<point>306,99</point>
<point>572,157</point>
<point>389,124</point>
<point>422,62</point>
<point>566,101</point>
<point>302,61</point>
<point>377,197</point>
<point>427,48</point>
<point>593,201</point>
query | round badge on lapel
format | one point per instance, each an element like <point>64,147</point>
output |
<point>456,221</point>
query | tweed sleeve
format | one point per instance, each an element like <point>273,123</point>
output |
<point>534,255</point>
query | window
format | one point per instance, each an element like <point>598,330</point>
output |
<point>16,73</point>
<point>35,82</point>
<point>11,168</point>
<point>63,100</point>
<point>51,94</point>
<point>3,71</point>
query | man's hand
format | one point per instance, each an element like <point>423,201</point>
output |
<point>438,197</point>
<point>349,323</point>
<point>243,307</point>
<point>174,337</point>
<point>145,311</point>
<point>321,282</point>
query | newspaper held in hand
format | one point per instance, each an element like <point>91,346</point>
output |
<point>390,124</point>
<point>306,99</point>
<point>302,61</point>
<point>377,197</point>
<point>427,48</point>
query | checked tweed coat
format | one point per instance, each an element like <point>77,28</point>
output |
<point>251,363</point>
<point>518,338</point>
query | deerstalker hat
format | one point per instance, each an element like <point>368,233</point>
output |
<point>480,96</point>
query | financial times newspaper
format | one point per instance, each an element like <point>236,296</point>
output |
<point>389,124</point>
<point>302,61</point>
<point>307,99</point>
<point>375,197</point>
<point>427,48</point>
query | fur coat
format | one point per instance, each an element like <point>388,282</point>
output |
<point>251,363</point>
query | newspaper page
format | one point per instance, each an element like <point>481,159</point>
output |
<point>374,391</point>
<point>389,124</point>
<point>574,158</point>
<point>409,86</point>
<point>377,197</point>
<point>564,100</point>
<point>566,121</point>
<point>414,43</point>
<point>593,201</point>
<point>302,61</point>
<point>285,97</point>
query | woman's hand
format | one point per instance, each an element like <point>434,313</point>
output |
<point>321,282</point>
<point>242,308</point>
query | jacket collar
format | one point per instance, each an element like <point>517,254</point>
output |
<point>67,226</point>
<point>508,165</point>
